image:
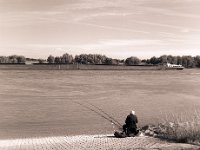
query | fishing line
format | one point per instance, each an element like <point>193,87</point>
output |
<point>109,116</point>
<point>98,113</point>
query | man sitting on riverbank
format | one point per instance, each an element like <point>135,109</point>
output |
<point>130,128</point>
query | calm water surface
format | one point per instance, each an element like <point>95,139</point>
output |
<point>41,103</point>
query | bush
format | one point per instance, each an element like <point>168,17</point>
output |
<point>180,129</point>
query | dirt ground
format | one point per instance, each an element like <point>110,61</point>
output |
<point>41,103</point>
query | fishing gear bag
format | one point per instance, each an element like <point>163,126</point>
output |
<point>120,134</point>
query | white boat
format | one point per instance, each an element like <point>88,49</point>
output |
<point>174,66</point>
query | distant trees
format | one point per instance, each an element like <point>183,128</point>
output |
<point>186,61</point>
<point>91,59</point>
<point>95,59</point>
<point>179,60</point>
<point>4,59</point>
<point>64,59</point>
<point>163,59</point>
<point>13,59</point>
<point>172,59</point>
<point>98,59</point>
<point>83,59</point>
<point>57,60</point>
<point>50,59</point>
<point>21,59</point>
<point>154,60</point>
<point>197,61</point>
<point>132,61</point>
<point>110,61</point>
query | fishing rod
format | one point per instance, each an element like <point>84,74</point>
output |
<point>98,113</point>
<point>109,116</point>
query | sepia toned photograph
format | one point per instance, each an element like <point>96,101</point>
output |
<point>99,74</point>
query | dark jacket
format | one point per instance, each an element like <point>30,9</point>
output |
<point>131,121</point>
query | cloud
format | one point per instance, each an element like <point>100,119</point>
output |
<point>180,28</point>
<point>185,30</point>
<point>115,28</point>
<point>99,44</point>
<point>11,19</point>
<point>102,14</point>
<point>100,24</point>
<point>120,43</point>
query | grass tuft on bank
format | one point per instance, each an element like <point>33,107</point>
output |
<point>182,128</point>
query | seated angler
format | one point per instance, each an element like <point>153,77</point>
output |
<point>130,128</point>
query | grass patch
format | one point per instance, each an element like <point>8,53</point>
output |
<point>181,128</point>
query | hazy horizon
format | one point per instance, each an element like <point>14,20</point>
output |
<point>115,28</point>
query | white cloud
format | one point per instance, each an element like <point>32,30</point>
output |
<point>179,28</point>
<point>185,30</point>
<point>102,14</point>
<point>115,28</point>
<point>120,43</point>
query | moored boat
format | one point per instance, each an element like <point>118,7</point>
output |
<point>173,67</point>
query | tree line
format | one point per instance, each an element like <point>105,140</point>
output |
<point>186,61</point>
<point>94,59</point>
<point>98,59</point>
<point>13,59</point>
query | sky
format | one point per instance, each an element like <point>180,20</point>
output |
<point>116,28</point>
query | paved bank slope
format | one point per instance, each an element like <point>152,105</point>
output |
<point>93,142</point>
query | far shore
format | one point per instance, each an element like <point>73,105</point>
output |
<point>77,67</point>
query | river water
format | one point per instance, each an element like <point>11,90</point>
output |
<point>43,103</point>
